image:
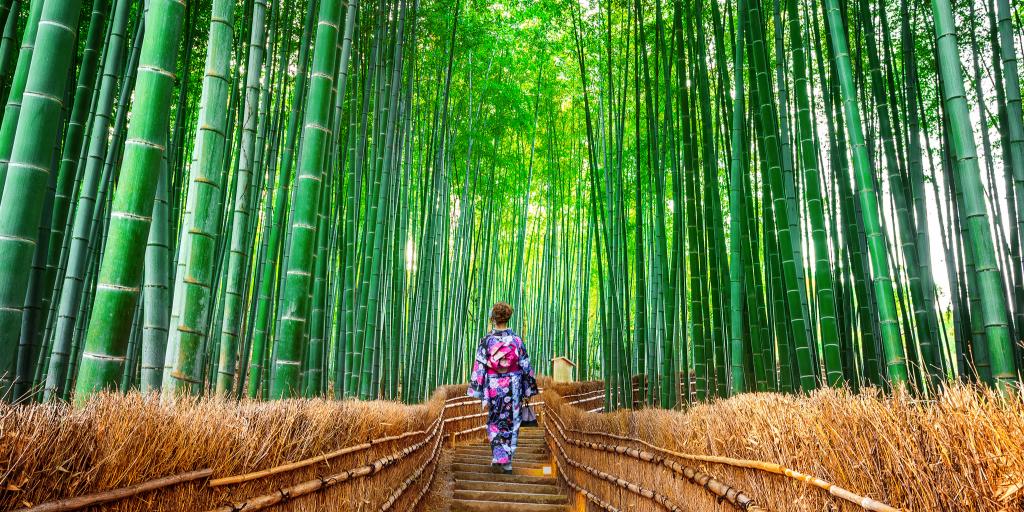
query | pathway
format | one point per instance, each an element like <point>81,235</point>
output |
<point>532,487</point>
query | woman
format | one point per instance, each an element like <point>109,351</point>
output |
<point>501,379</point>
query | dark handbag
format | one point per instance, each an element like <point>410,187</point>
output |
<point>527,418</point>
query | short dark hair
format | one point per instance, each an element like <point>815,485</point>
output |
<point>501,313</point>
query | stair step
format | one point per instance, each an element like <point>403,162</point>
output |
<point>511,497</point>
<point>500,506</point>
<point>520,456</point>
<point>523,468</point>
<point>500,486</point>
<point>536,441</point>
<point>531,448</point>
<point>503,478</point>
<point>529,443</point>
<point>485,455</point>
<point>480,487</point>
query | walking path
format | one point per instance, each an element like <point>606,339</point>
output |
<point>532,486</point>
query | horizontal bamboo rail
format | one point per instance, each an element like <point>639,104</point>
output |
<point>597,392</point>
<point>283,468</point>
<point>625,484</point>
<point>591,497</point>
<point>432,459</point>
<point>100,498</point>
<point>722,490</point>
<point>453,435</point>
<point>310,486</point>
<point>768,467</point>
<point>466,417</point>
<point>426,487</point>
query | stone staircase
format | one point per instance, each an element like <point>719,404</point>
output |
<point>532,486</point>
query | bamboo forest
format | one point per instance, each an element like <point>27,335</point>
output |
<point>511,255</point>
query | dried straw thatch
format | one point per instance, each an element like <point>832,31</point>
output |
<point>964,451</point>
<point>50,452</point>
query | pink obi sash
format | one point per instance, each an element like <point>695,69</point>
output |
<point>502,357</point>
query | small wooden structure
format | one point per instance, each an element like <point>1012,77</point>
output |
<point>562,369</point>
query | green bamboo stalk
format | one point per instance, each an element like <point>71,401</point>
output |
<point>120,269</point>
<point>961,139</point>
<point>240,238</point>
<point>895,358</point>
<point>737,228</point>
<point>316,133</point>
<point>198,243</point>
<point>29,169</point>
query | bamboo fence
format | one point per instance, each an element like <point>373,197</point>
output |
<point>297,455</point>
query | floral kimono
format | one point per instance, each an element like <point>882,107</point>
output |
<point>502,387</point>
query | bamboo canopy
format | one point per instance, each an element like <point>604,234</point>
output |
<point>688,199</point>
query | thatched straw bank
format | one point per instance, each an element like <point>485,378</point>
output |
<point>962,452</point>
<point>50,452</point>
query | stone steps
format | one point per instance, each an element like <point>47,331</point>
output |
<point>520,456</point>
<point>547,486</point>
<point>531,487</point>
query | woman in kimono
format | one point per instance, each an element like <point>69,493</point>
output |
<point>502,377</point>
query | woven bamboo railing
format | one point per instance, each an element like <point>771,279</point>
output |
<point>319,459</point>
<point>434,435</point>
<point>365,470</point>
<point>668,458</point>
<point>634,488</point>
<point>721,490</point>
<point>768,467</point>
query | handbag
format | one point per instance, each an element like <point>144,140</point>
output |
<point>527,417</point>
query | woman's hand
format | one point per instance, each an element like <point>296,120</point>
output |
<point>483,405</point>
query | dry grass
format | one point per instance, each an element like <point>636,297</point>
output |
<point>50,452</point>
<point>964,451</point>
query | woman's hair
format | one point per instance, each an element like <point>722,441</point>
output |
<point>501,313</point>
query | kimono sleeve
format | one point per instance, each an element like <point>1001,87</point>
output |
<point>529,378</point>
<point>478,376</point>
